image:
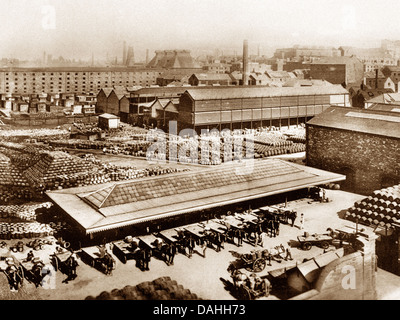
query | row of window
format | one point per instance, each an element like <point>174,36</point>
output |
<point>84,73</point>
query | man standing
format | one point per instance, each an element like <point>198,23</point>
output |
<point>288,254</point>
<point>171,253</point>
<point>293,216</point>
<point>302,221</point>
<point>191,246</point>
<point>239,235</point>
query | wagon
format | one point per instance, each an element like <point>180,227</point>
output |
<point>252,262</point>
<point>154,244</point>
<point>16,278</point>
<point>33,270</point>
<point>250,287</point>
<point>321,240</point>
<point>92,256</point>
<point>125,250</point>
<point>58,259</point>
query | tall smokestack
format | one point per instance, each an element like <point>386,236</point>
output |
<point>147,57</point>
<point>245,76</point>
<point>376,78</point>
<point>124,54</point>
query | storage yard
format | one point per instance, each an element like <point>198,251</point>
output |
<point>38,173</point>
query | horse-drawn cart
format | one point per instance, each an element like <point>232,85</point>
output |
<point>13,272</point>
<point>126,249</point>
<point>59,259</point>
<point>98,258</point>
<point>32,270</point>
<point>155,245</point>
<point>252,262</point>
<point>321,240</point>
<point>250,287</point>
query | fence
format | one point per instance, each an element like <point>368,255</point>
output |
<point>51,121</point>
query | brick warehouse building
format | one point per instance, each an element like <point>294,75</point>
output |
<point>361,144</point>
<point>74,79</point>
<point>252,107</point>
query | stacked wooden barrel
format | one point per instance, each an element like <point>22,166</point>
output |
<point>24,211</point>
<point>382,208</point>
<point>162,288</point>
<point>20,230</point>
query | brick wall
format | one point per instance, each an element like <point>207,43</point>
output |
<point>370,162</point>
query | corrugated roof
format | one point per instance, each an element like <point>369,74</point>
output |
<point>359,120</point>
<point>263,92</point>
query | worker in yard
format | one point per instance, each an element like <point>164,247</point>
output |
<point>302,221</point>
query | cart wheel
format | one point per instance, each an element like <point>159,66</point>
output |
<point>259,265</point>
<point>307,246</point>
<point>37,248</point>
<point>66,245</point>
<point>14,249</point>
<point>324,245</point>
<point>244,293</point>
<point>124,259</point>
<point>20,249</point>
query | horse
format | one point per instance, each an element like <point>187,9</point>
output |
<point>107,263</point>
<point>238,278</point>
<point>292,215</point>
<point>71,265</point>
<point>15,277</point>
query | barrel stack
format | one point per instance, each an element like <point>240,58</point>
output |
<point>382,208</point>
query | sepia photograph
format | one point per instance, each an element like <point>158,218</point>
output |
<point>202,152</point>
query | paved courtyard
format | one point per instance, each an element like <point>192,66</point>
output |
<point>203,275</point>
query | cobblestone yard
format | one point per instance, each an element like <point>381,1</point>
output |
<point>203,276</point>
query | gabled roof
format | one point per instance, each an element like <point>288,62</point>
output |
<point>279,74</point>
<point>310,269</point>
<point>106,91</point>
<point>370,94</point>
<point>387,98</point>
<point>212,76</point>
<point>116,204</point>
<point>108,116</point>
<point>372,74</point>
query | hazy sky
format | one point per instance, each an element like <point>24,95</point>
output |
<point>76,28</point>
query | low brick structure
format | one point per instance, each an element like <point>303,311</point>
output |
<point>361,144</point>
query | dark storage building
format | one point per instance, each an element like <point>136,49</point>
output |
<point>361,144</point>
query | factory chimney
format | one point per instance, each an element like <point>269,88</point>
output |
<point>245,76</point>
<point>124,54</point>
<point>147,57</point>
<point>376,78</point>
